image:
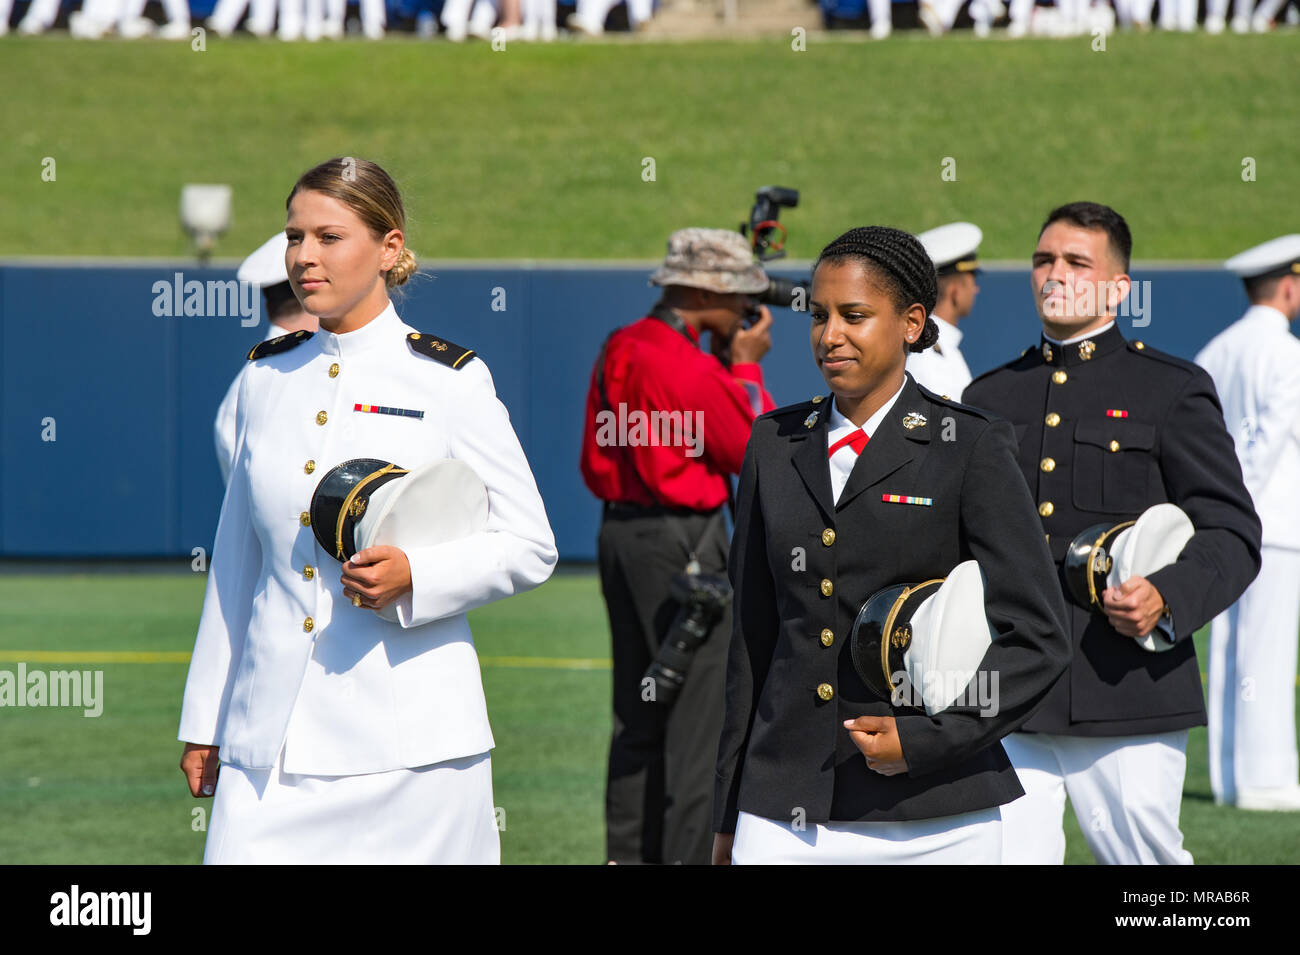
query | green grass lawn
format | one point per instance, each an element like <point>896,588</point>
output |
<point>537,151</point>
<point>107,790</point>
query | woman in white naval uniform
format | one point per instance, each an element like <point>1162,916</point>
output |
<point>343,737</point>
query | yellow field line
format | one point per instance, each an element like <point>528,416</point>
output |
<point>131,656</point>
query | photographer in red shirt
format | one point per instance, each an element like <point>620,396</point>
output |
<point>666,424</point>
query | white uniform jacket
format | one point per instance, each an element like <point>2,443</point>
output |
<point>223,428</point>
<point>941,367</point>
<point>1255,364</point>
<point>281,657</point>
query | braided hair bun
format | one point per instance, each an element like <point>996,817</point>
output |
<point>902,265</point>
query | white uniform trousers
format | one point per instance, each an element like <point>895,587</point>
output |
<point>438,814</point>
<point>261,21</point>
<point>1126,791</point>
<point>964,839</point>
<point>1252,682</point>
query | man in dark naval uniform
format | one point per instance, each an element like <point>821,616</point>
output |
<point>1106,429</point>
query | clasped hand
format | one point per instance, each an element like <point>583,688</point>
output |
<point>378,575</point>
<point>877,737</point>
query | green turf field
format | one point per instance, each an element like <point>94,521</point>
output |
<point>107,790</point>
<point>537,151</point>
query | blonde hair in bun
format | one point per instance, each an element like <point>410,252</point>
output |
<point>366,189</point>
<point>402,270</point>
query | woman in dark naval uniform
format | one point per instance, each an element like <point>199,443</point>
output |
<point>885,484</point>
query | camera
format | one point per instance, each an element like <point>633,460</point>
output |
<point>767,239</point>
<point>703,599</point>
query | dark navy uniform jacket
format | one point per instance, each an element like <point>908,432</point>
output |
<point>1106,429</point>
<point>802,566</point>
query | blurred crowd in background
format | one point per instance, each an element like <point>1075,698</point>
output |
<point>547,20</point>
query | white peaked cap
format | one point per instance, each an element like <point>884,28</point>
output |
<point>1154,541</point>
<point>950,635</point>
<point>1279,255</point>
<point>436,503</point>
<point>951,243</point>
<point>266,266</point>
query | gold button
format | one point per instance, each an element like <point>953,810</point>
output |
<point>308,624</point>
<point>828,588</point>
<point>321,417</point>
<point>1059,377</point>
<point>825,691</point>
<point>1048,464</point>
<point>308,572</point>
<point>818,399</point>
<point>1114,445</point>
<point>309,466</point>
<point>1045,509</point>
<point>334,370</point>
<point>828,637</point>
<point>304,519</point>
<point>828,537</point>
<point>1052,420</point>
<point>414,336</point>
<point>1139,345</point>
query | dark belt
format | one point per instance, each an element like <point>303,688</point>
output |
<point>622,510</point>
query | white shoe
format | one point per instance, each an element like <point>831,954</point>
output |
<point>332,30</point>
<point>982,29</point>
<point>135,29</point>
<point>929,19</point>
<point>370,33</point>
<point>1261,24</point>
<point>1284,799</point>
<point>29,27</point>
<point>174,30</point>
<point>882,30</point>
<point>1017,28</point>
<point>576,24</point>
<point>1215,25</point>
<point>85,28</point>
<point>1241,24</point>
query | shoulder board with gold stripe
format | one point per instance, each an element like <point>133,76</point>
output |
<point>440,350</point>
<point>273,346</point>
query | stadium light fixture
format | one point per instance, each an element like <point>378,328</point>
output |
<point>205,215</point>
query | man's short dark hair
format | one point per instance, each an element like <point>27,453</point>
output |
<point>1261,288</point>
<point>1093,215</point>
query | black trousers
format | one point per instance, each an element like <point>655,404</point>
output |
<point>659,794</point>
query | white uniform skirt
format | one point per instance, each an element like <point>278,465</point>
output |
<point>436,814</point>
<point>963,839</point>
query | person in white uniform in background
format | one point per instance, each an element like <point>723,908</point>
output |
<point>225,17</point>
<point>462,18</point>
<point>341,736</point>
<point>589,17</point>
<point>1216,12</point>
<point>1255,364</point>
<point>133,24</point>
<point>954,250</point>
<point>284,313</point>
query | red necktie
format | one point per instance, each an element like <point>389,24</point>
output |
<point>857,441</point>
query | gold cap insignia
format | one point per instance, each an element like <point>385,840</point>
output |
<point>914,419</point>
